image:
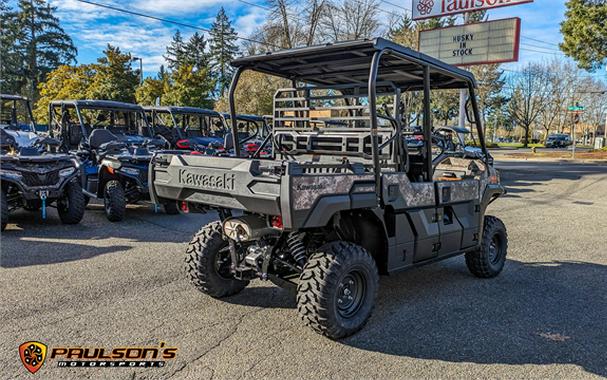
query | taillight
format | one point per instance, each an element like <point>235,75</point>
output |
<point>276,222</point>
<point>183,206</point>
<point>251,147</point>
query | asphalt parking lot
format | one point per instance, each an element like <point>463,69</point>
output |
<point>100,284</point>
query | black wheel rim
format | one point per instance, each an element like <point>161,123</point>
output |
<point>351,292</point>
<point>495,249</point>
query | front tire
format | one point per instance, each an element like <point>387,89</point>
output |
<point>3,210</point>
<point>114,201</point>
<point>488,261</point>
<point>71,206</point>
<point>208,263</point>
<point>337,289</point>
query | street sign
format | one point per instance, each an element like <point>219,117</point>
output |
<point>576,108</point>
<point>474,44</point>
<point>436,8</point>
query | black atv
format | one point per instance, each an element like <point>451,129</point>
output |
<point>32,176</point>
<point>114,143</point>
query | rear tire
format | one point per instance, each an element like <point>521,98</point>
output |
<point>114,201</point>
<point>488,261</point>
<point>71,206</point>
<point>3,210</point>
<point>207,263</point>
<point>337,289</point>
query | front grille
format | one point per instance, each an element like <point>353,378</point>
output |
<point>49,178</point>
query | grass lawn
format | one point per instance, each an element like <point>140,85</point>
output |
<point>518,145</point>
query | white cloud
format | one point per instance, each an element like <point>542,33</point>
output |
<point>175,7</point>
<point>247,24</point>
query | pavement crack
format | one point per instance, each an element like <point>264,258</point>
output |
<point>231,333</point>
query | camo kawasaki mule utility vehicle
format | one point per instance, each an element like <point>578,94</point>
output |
<point>31,175</point>
<point>114,141</point>
<point>345,197</point>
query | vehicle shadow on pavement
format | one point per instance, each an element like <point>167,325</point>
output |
<point>519,178</point>
<point>534,313</point>
<point>140,225</point>
<point>42,253</point>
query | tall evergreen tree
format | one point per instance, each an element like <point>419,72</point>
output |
<point>11,72</point>
<point>175,52</point>
<point>585,33</point>
<point>114,77</point>
<point>223,49</point>
<point>195,51</point>
<point>42,43</point>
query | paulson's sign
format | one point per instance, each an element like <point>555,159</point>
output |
<point>474,44</point>
<point>435,8</point>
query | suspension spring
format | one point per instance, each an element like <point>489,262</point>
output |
<point>297,247</point>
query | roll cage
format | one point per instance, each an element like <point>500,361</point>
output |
<point>9,112</point>
<point>205,120</point>
<point>365,73</point>
<point>72,133</point>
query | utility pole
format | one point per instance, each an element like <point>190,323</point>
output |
<point>140,68</point>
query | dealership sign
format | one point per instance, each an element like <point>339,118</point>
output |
<point>474,44</point>
<point>436,8</point>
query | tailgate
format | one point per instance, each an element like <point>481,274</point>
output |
<point>216,181</point>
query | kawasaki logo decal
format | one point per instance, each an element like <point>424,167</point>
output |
<point>221,182</point>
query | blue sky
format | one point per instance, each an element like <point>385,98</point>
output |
<point>93,27</point>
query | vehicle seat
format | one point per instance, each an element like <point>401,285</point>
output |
<point>99,137</point>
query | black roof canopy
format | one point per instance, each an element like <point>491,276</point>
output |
<point>183,110</point>
<point>12,97</point>
<point>98,104</point>
<point>348,63</point>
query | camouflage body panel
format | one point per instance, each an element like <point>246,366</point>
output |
<point>308,189</point>
<point>401,193</point>
<point>311,200</point>
<point>457,191</point>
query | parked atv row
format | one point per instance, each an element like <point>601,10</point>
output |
<point>33,175</point>
<point>105,150</point>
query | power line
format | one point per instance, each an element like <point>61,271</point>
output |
<point>537,40</point>
<point>396,5</point>
<point>122,10</point>
<point>540,47</point>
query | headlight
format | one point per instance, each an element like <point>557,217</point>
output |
<point>130,171</point>
<point>11,174</point>
<point>66,172</point>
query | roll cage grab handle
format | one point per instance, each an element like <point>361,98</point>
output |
<point>372,87</point>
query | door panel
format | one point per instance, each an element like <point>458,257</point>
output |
<point>427,234</point>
